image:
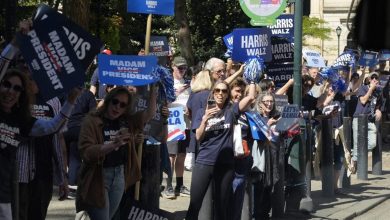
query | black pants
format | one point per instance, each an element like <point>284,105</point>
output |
<point>221,177</point>
<point>34,198</point>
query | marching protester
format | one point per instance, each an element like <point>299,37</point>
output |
<point>200,90</point>
<point>369,103</point>
<point>214,163</point>
<point>40,159</point>
<point>18,124</point>
<point>267,175</point>
<point>109,161</point>
<point>177,149</point>
<point>84,104</point>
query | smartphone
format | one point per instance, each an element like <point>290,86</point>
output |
<point>211,103</point>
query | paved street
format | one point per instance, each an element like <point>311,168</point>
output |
<point>358,199</point>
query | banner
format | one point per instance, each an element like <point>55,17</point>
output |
<point>259,127</point>
<point>384,55</point>
<point>368,58</point>
<point>228,40</point>
<point>283,27</point>
<point>176,124</point>
<point>282,50</point>
<point>158,7</point>
<point>85,45</point>
<point>252,42</point>
<point>280,73</point>
<point>343,61</point>
<point>159,46</point>
<point>136,211</point>
<point>280,102</point>
<point>126,69</point>
<point>51,58</point>
<point>313,58</point>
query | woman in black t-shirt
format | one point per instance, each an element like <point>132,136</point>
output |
<point>16,124</point>
<point>214,132</point>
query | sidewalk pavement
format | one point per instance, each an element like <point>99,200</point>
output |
<point>358,198</point>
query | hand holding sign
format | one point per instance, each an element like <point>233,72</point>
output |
<point>73,94</point>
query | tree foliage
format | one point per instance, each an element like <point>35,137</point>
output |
<point>314,28</point>
<point>202,23</point>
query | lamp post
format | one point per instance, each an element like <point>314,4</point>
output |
<point>338,32</point>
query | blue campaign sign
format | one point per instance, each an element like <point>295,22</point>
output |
<point>252,42</point>
<point>280,73</point>
<point>384,55</point>
<point>344,60</point>
<point>228,40</point>
<point>282,50</point>
<point>283,27</point>
<point>159,46</point>
<point>51,59</point>
<point>126,69</point>
<point>85,45</point>
<point>158,7</point>
<point>368,58</point>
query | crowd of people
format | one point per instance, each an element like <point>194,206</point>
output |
<point>87,144</point>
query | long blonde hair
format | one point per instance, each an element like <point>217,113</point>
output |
<point>202,81</point>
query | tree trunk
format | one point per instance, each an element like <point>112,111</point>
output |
<point>183,35</point>
<point>78,11</point>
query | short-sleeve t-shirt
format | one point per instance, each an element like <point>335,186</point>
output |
<point>196,101</point>
<point>13,130</point>
<point>115,157</point>
<point>216,147</point>
<point>373,100</point>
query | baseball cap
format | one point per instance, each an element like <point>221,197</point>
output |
<point>374,74</point>
<point>179,61</point>
<point>107,51</point>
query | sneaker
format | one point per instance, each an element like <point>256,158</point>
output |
<point>169,193</point>
<point>182,191</point>
<point>72,194</point>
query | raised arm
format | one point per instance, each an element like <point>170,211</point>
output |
<point>285,87</point>
<point>238,73</point>
<point>248,100</point>
<point>45,127</point>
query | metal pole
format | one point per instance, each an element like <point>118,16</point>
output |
<point>377,152</point>
<point>306,204</point>
<point>327,169</point>
<point>362,156</point>
<point>338,45</point>
<point>298,13</point>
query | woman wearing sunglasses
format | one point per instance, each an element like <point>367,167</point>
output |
<point>109,161</point>
<point>215,160</point>
<point>17,124</point>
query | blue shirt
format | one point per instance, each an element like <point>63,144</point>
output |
<point>216,147</point>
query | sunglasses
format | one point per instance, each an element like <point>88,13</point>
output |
<point>182,68</point>
<point>374,77</point>
<point>267,102</point>
<point>220,90</point>
<point>7,85</point>
<point>116,102</point>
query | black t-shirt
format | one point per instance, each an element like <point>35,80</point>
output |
<point>217,144</point>
<point>13,130</point>
<point>115,157</point>
<point>43,145</point>
<point>195,102</point>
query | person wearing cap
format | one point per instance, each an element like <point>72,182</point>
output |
<point>369,103</point>
<point>177,149</point>
<point>98,88</point>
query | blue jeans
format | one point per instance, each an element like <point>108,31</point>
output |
<point>371,137</point>
<point>114,185</point>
